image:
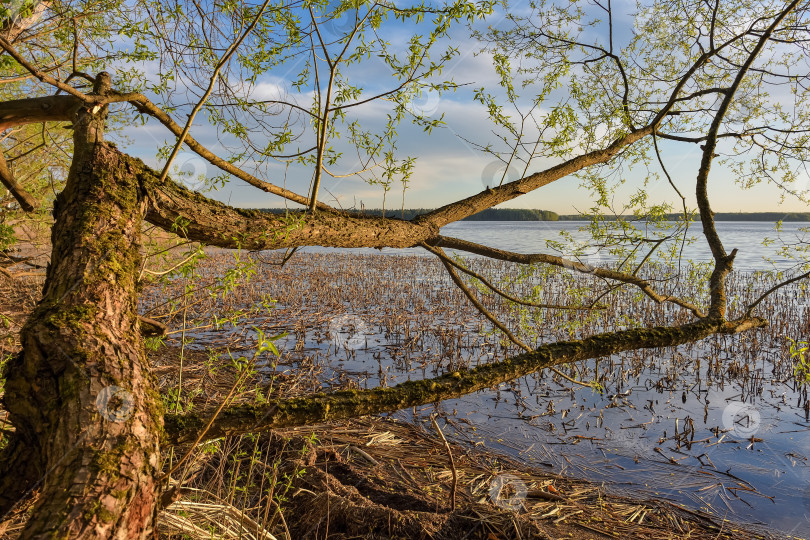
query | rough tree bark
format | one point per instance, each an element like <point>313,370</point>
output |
<point>80,395</point>
<point>81,398</point>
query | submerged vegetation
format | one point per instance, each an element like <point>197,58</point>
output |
<point>371,321</point>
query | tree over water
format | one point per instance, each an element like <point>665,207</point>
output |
<point>582,95</point>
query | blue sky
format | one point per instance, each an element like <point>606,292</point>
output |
<point>447,166</point>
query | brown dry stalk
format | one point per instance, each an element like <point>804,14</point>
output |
<point>454,486</point>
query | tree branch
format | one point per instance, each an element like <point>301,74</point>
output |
<point>723,261</point>
<point>195,217</point>
<point>440,253</point>
<point>475,302</point>
<point>144,106</point>
<point>353,403</point>
<point>17,112</point>
<point>213,79</point>
<point>27,201</point>
<point>494,253</point>
<point>64,108</point>
<point>506,192</point>
<point>491,197</point>
<point>763,296</point>
<point>41,75</point>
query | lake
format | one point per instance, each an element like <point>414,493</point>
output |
<point>616,438</point>
<point>719,426</point>
<point>531,237</point>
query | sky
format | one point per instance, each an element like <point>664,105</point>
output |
<point>448,166</point>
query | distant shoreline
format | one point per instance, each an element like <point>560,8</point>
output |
<point>526,214</point>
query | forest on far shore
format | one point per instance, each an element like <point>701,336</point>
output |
<point>528,214</point>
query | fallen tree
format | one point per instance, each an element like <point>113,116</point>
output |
<point>88,424</point>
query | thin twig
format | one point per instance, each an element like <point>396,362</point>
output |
<point>499,292</point>
<point>224,60</point>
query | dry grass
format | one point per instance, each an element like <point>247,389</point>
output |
<point>381,478</point>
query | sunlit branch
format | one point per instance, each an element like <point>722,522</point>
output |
<point>554,260</point>
<point>326,107</point>
<point>42,76</point>
<point>678,191</point>
<point>214,76</point>
<point>27,201</point>
<point>506,192</point>
<point>477,303</point>
<point>143,105</point>
<point>491,197</point>
<point>176,209</point>
<point>449,264</point>
<point>763,296</point>
<point>439,253</point>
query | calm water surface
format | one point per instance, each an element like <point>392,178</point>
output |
<point>739,452</point>
<point>531,237</point>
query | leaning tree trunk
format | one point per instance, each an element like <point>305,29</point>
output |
<point>80,396</point>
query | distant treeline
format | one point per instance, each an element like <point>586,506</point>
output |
<point>490,214</point>
<point>719,216</point>
<point>514,214</point>
<point>525,214</point>
<point>762,216</point>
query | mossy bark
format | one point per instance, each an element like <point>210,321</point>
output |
<point>172,207</point>
<point>87,418</point>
